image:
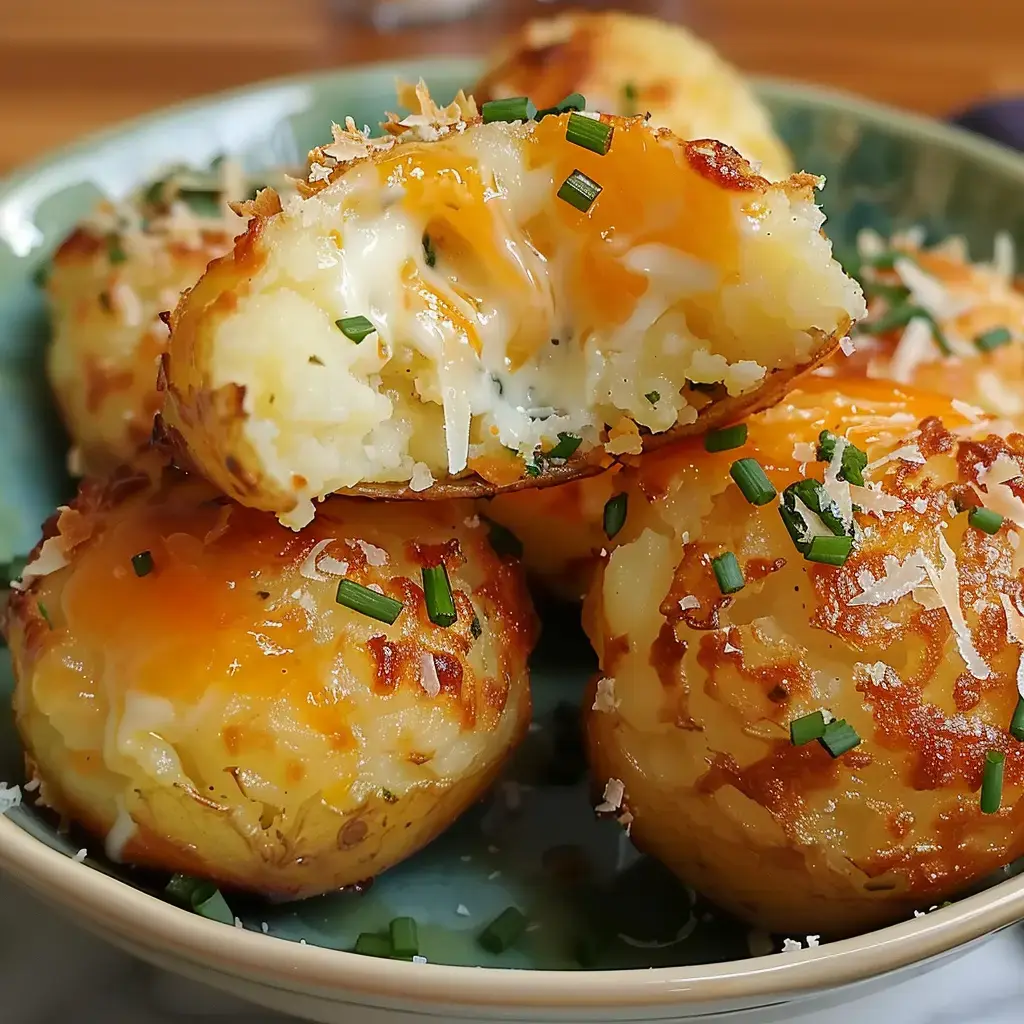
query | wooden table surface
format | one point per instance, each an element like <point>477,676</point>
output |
<point>70,66</point>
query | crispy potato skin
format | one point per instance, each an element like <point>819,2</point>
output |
<point>627,64</point>
<point>107,337</point>
<point>255,731</point>
<point>705,685</point>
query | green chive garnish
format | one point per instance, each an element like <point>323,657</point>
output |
<point>829,550</point>
<point>208,901</point>
<point>40,275</point>
<point>653,397</point>
<point>388,797</point>
<point>1017,722</point>
<point>355,328</point>
<point>751,480</point>
<point>992,782</point>
<point>45,614</point>
<point>503,540</point>
<point>504,931</point>
<point>899,316</point>
<point>795,526</point>
<point>437,589</point>
<point>580,191</point>
<point>574,101</point>
<point>404,938</point>
<point>181,887</point>
<point>728,573</point>
<point>994,338</point>
<point>726,439</point>
<point>839,737</point>
<point>142,563</point>
<point>894,294</point>
<point>816,498</point>
<point>429,253</point>
<point>615,514</point>
<point>368,944</point>
<point>10,572</point>
<point>589,133</point>
<point>629,97</point>
<point>115,250</point>
<point>515,108</point>
<point>368,602</point>
<point>475,629</point>
<point>985,519</point>
<point>809,727</point>
<point>204,202</point>
<point>567,445</point>
<point>853,461</point>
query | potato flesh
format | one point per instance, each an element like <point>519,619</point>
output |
<point>239,715</point>
<point>536,319</point>
<point>782,835</point>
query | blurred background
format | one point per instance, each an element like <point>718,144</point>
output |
<point>70,66</point>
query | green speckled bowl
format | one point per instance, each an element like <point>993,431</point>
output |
<point>669,956</point>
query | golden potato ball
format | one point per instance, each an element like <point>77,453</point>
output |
<point>627,64</point>
<point>190,689</point>
<point>915,642</point>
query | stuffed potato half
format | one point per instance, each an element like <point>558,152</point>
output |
<point>914,642</point>
<point>442,311</point>
<point>190,688</point>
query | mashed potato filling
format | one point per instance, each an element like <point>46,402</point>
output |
<point>499,318</point>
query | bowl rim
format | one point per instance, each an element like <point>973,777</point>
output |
<point>146,921</point>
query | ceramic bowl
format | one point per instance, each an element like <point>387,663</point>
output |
<point>671,956</point>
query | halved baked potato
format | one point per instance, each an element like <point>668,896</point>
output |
<point>446,311</point>
<point>716,724</point>
<point>627,64</point>
<point>216,695</point>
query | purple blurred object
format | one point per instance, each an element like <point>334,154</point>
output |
<point>1002,120</point>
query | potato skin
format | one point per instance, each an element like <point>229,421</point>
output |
<point>255,731</point>
<point>105,296</point>
<point>628,64</point>
<point>696,727</point>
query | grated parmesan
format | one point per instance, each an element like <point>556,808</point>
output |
<point>874,500</point>
<point>10,797</point>
<point>421,478</point>
<point>604,699</point>
<point>688,602</point>
<point>308,568</point>
<point>897,580</point>
<point>1001,498</point>
<point>428,675</point>
<point>611,800</point>
<point>837,489</point>
<point>375,556</point>
<point>1015,632</point>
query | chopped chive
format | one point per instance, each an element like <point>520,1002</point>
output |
<point>629,98</point>
<point>795,526</point>
<point>726,439</point>
<point>615,514</point>
<point>355,328</point>
<point>429,253</point>
<point>893,318</point>
<point>839,737</point>
<point>203,202</point>
<point>368,602</point>
<point>894,294</point>
<point>829,550</point>
<point>751,480</point>
<point>940,339</point>
<point>208,901</point>
<point>807,728</point>
<point>574,101</point>
<point>728,573</point>
<point>503,540</point>
<point>994,338</point>
<point>588,133</point>
<point>504,931</point>
<point>40,275</point>
<point>142,563</point>
<point>437,589</point>
<point>985,519</point>
<point>369,944</point>
<point>475,629</point>
<point>580,191</point>
<point>653,397</point>
<point>10,572</point>
<point>1017,722</point>
<point>853,462</point>
<point>567,445</point>
<point>388,797</point>
<point>115,250</point>
<point>532,469</point>
<point>992,782</point>
<point>816,498</point>
<point>180,889</point>
<point>884,260</point>
<point>154,194</point>
<point>404,938</point>
<point>515,108</point>
<point>45,614</point>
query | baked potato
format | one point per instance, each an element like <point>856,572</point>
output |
<point>627,64</point>
<point>217,695</point>
<point>965,339</point>
<point>807,750</point>
<point>442,314</point>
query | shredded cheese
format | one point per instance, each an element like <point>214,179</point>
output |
<point>428,675</point>
<point>897,580</point>
<point>1015,632</point>
<point>611,801</point>
<point>604,699</point>
<point>1001,499</point>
